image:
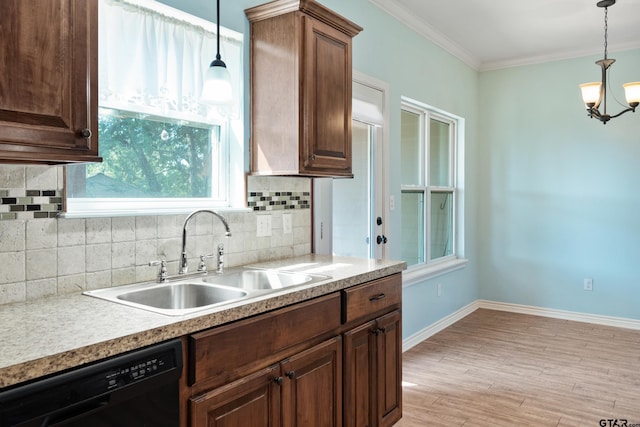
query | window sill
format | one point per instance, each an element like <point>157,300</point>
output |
<point>141,212</point>
<point>417,275</point>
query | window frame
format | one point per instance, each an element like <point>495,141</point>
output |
<point>441,265</point>
<point>229,120</point>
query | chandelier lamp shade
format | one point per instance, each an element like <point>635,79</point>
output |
<point>594,94</point>
<point>216,89</point>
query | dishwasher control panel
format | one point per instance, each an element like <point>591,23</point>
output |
<point>139,370</point>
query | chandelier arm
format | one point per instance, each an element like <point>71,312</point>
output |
<point>624,111</point>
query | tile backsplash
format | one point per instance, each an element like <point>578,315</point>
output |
<point>41,255</point>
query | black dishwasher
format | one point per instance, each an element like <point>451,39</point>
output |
<point>136,389</point>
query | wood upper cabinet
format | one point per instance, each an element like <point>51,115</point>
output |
<point>48,81</point>
<point>301,73</point>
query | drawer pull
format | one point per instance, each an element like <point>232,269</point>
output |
<point>377,297</point>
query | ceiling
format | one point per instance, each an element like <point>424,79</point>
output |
<point>492,34</point>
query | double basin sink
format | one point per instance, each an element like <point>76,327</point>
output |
<point>196,293</point>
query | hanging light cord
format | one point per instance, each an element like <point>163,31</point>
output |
<point>218,32</point>
<point>606,54</point>
<point>606,30</point>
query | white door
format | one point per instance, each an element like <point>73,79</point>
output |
<point>358,204</point>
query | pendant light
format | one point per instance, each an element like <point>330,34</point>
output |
<point>217,81</point>
<point>595,93</point>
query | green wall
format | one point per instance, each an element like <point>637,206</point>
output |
<point>559,191</point>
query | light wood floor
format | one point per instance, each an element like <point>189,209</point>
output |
<point>496,368</point>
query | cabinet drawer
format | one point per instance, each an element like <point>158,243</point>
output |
<point>372,297</point>
<point>227,352</point>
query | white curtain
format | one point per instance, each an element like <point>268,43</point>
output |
<point>153,63</point>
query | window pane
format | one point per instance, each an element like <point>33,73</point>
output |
<point>410,148</point>
<point>439,153</point>
<point>413,227</point>
<point>441,231</point>
<point>150,157</point>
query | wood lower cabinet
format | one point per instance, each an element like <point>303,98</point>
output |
<point>304,390</point>
<point>301,72</point>
<point>327,362</point>
<point>373,356</point>
<point>250,401</point>
<point>312,387</point>
<point>48,89</point>
<point>388,369</point>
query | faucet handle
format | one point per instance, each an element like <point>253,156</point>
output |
<point>202,266</point>
<point>220,268</point>
<point>164,274</point>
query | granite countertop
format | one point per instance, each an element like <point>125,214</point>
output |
<point>45,336</point>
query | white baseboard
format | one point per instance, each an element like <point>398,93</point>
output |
<point>441,324</point>
<point>620,322</point>
<point>436,327</point>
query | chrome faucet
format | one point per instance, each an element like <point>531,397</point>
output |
<point>184,268</point>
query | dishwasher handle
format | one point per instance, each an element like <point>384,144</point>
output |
<point>77,411</point>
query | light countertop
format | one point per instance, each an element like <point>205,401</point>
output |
<point>45,336</point>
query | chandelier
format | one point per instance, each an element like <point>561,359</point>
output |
<point>594,94</point>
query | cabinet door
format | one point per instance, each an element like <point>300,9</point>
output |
<point>359,375</point>
<point>48,89</point>
<point>326,142</point>
<point>389,368</point>
<point>312,387</point>
<point>251,401</point>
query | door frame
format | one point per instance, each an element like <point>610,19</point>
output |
<point>380,184</point>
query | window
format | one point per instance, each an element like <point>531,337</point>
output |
<point>430,185</point>
<point>161,148</point>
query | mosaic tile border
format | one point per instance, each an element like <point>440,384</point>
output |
<point>278,200</point>
<point>35,204</point>
<point>29,204</point>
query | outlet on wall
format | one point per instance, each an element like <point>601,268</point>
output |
<point>588,284</point>
<point>287,226</point>
<point>264,226</point>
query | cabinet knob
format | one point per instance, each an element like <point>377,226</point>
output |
<point>312,157</point>
<point>291,374</point>
<point>278,380</point>
<point>379,331</point>
<point>85,133</point>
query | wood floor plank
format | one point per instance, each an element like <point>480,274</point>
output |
<point>496,368</point>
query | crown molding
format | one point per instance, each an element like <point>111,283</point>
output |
<point>558,56</point>
<point>398,11</point>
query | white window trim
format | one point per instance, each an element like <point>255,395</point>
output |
<point>418,273</point>
<point>232,135</point>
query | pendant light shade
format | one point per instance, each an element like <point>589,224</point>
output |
<point>217,85</point>
<point>216,89</point>
<point>591,94</point>
<point>632,93</point>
